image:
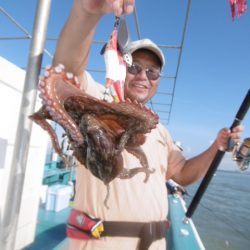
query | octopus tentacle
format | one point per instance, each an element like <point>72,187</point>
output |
<point>129,173</point>
<point>55,87</point>
<point>39,118</point>
<point>107,196</point>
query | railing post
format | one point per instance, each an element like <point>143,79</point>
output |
<point>8,227</point>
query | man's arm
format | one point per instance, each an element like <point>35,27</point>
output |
<point>75,39</point>
<point>196,167</point>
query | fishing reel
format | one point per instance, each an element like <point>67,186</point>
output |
<point>241,154</point>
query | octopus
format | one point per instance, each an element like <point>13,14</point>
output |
<point>98,131</point>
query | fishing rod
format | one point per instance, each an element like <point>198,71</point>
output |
<point>216,161</point>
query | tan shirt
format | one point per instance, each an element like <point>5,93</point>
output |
<point>131,199</point>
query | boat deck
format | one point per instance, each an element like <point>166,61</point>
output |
<point>50,230</point>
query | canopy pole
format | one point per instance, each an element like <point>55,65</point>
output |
<point>21,146</point>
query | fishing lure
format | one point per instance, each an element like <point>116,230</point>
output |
<point>115,67</point>
<point>240,5</point>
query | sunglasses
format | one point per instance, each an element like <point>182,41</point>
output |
<point>151,73</point>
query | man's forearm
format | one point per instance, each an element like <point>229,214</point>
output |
<point>196,167</point>
<point>75,40</point>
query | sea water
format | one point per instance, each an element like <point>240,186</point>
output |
<point>222,218</point>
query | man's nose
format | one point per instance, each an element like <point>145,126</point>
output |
<point>142,74</point>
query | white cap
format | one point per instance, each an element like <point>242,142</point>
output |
<point>149,45</point>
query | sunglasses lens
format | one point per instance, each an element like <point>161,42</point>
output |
<point>134,69</point>
<point>152,74</point>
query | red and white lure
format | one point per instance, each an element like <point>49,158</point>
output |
<point>115,67</point>
<point>238,5</point>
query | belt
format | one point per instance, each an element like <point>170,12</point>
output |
<point>148,232</point>
<point>83,226</point>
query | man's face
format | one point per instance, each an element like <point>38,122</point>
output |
<point>138,86</point>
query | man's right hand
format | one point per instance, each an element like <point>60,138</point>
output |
<point>75,39</point>
<point>101,7</point>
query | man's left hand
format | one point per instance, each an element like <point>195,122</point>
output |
<point>226,134</point>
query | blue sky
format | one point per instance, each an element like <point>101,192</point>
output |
<point>214,74</point>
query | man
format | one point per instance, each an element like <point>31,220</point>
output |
<point>131,200</point>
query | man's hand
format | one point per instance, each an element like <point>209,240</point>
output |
<point>101,7</point>
<point>225,134</point>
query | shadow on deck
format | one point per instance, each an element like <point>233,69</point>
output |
<point>50,230</point>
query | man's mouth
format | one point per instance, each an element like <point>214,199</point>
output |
<point>139,85</point>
